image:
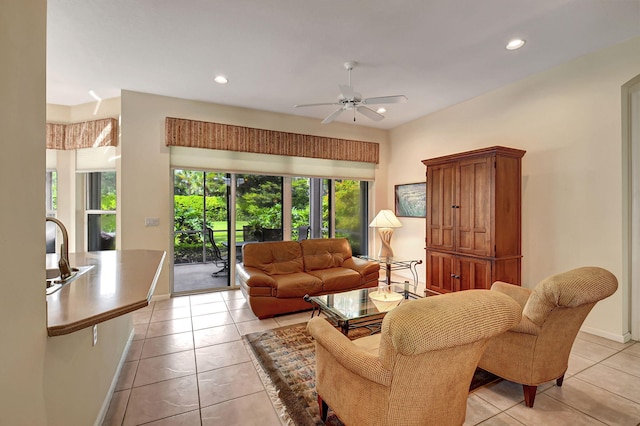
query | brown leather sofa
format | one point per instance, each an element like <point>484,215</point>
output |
<point>275,276</point>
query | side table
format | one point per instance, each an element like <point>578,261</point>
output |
<point>389,264</point>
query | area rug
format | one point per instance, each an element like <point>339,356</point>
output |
<point>287,356</point>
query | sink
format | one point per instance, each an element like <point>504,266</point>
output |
<point>55,283</point>
<point>53,273</point>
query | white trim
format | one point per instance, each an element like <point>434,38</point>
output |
<point>620,338</point>
<point>159,297</point>
<point>631,207</point>
<point>107,401</point>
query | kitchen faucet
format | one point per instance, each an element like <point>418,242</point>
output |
<point>63,263</point>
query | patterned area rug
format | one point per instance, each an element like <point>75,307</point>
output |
<point>288,357</point>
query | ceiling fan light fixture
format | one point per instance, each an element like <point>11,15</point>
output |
<point>221,79</point>
<point>350,100</point>
<point>94,95</point>
<point>515,44</point>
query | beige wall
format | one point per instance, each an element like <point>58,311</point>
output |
<point>568,119</point>
<point>78,376</point>
<point>22,119</point>
<point>145,174</point>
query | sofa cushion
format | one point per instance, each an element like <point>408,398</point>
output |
<point>296,285</point>
<point>323,253</point>
<point>337,279</point>
<point>273,258</point>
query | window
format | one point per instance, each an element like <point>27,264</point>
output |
<point>101,210</point>
<point>51,190</point>
<point>350,213</point>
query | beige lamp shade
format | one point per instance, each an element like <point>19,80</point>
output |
<point>385,221</point>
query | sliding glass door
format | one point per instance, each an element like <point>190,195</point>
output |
<point>209,234</point>
<point>350,213</point>
<point>201,231</point>
<point>259,208</point>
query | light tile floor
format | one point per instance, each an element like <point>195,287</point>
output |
<point>187,366</point>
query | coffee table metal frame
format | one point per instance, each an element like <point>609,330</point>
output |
<point>365,315</point>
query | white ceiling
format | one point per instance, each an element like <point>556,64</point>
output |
<point>278,53</point>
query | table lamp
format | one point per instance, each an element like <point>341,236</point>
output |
<point>385,221</point>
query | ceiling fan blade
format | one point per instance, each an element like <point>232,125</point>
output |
<point>368,112</point>
<point>397,99</point>
<point>332,116</point>
<point>347,92</point>
<point>320,104</point>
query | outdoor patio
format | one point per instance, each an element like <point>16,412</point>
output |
<point>196,277</point>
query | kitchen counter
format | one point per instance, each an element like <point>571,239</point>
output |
<point>120,281</point>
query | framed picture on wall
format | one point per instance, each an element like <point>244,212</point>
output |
<point>411,200</point>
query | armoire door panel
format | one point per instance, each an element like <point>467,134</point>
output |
<point>473,273</point>
<point>440,198</point>
<point>440,272</point>
<point>474,212</point>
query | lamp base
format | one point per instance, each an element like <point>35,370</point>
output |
<point>385,238</point>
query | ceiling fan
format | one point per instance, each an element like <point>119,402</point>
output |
<point>352,100</point>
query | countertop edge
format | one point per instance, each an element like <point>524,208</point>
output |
<point>90,321</point>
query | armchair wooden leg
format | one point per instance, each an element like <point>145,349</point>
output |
<point>559,380</point>
<point>529,395</point>
<point>324,409</point>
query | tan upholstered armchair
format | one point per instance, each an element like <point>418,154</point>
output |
<point>537,350</point>
<point>417,371</point>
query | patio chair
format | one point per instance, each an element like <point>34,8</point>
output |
<point>219,260</point>
<point>271,234</point>
<point>249,233</point>
<point>303,232</point>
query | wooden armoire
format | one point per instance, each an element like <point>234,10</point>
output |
<point>473,219</point>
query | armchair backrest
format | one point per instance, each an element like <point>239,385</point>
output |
<point>571,289</point>
<point>445,321</point>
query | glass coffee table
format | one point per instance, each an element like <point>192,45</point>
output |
<point>360,308</point>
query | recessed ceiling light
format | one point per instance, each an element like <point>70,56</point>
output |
<point>514,44</point>
<point>381,110</point>
<point>94,96</point>
<point>220,79</point>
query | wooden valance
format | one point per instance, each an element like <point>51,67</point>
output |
<point>87,134</point>
<point>202,134</point>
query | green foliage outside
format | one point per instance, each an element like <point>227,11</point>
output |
<point>108,201</point>
<point>258,204</point>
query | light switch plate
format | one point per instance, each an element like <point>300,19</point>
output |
<point>95,334</point>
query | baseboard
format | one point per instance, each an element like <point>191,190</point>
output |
<point>105,404</point>
<point>620,338</point>
<point>160,297</point>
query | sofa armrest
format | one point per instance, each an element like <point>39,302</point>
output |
<point>355,359</point>
<point>254,277</point>
<point>363,267</point>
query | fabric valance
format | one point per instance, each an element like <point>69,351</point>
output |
<point>202,134</point>
<point>87,134</point>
